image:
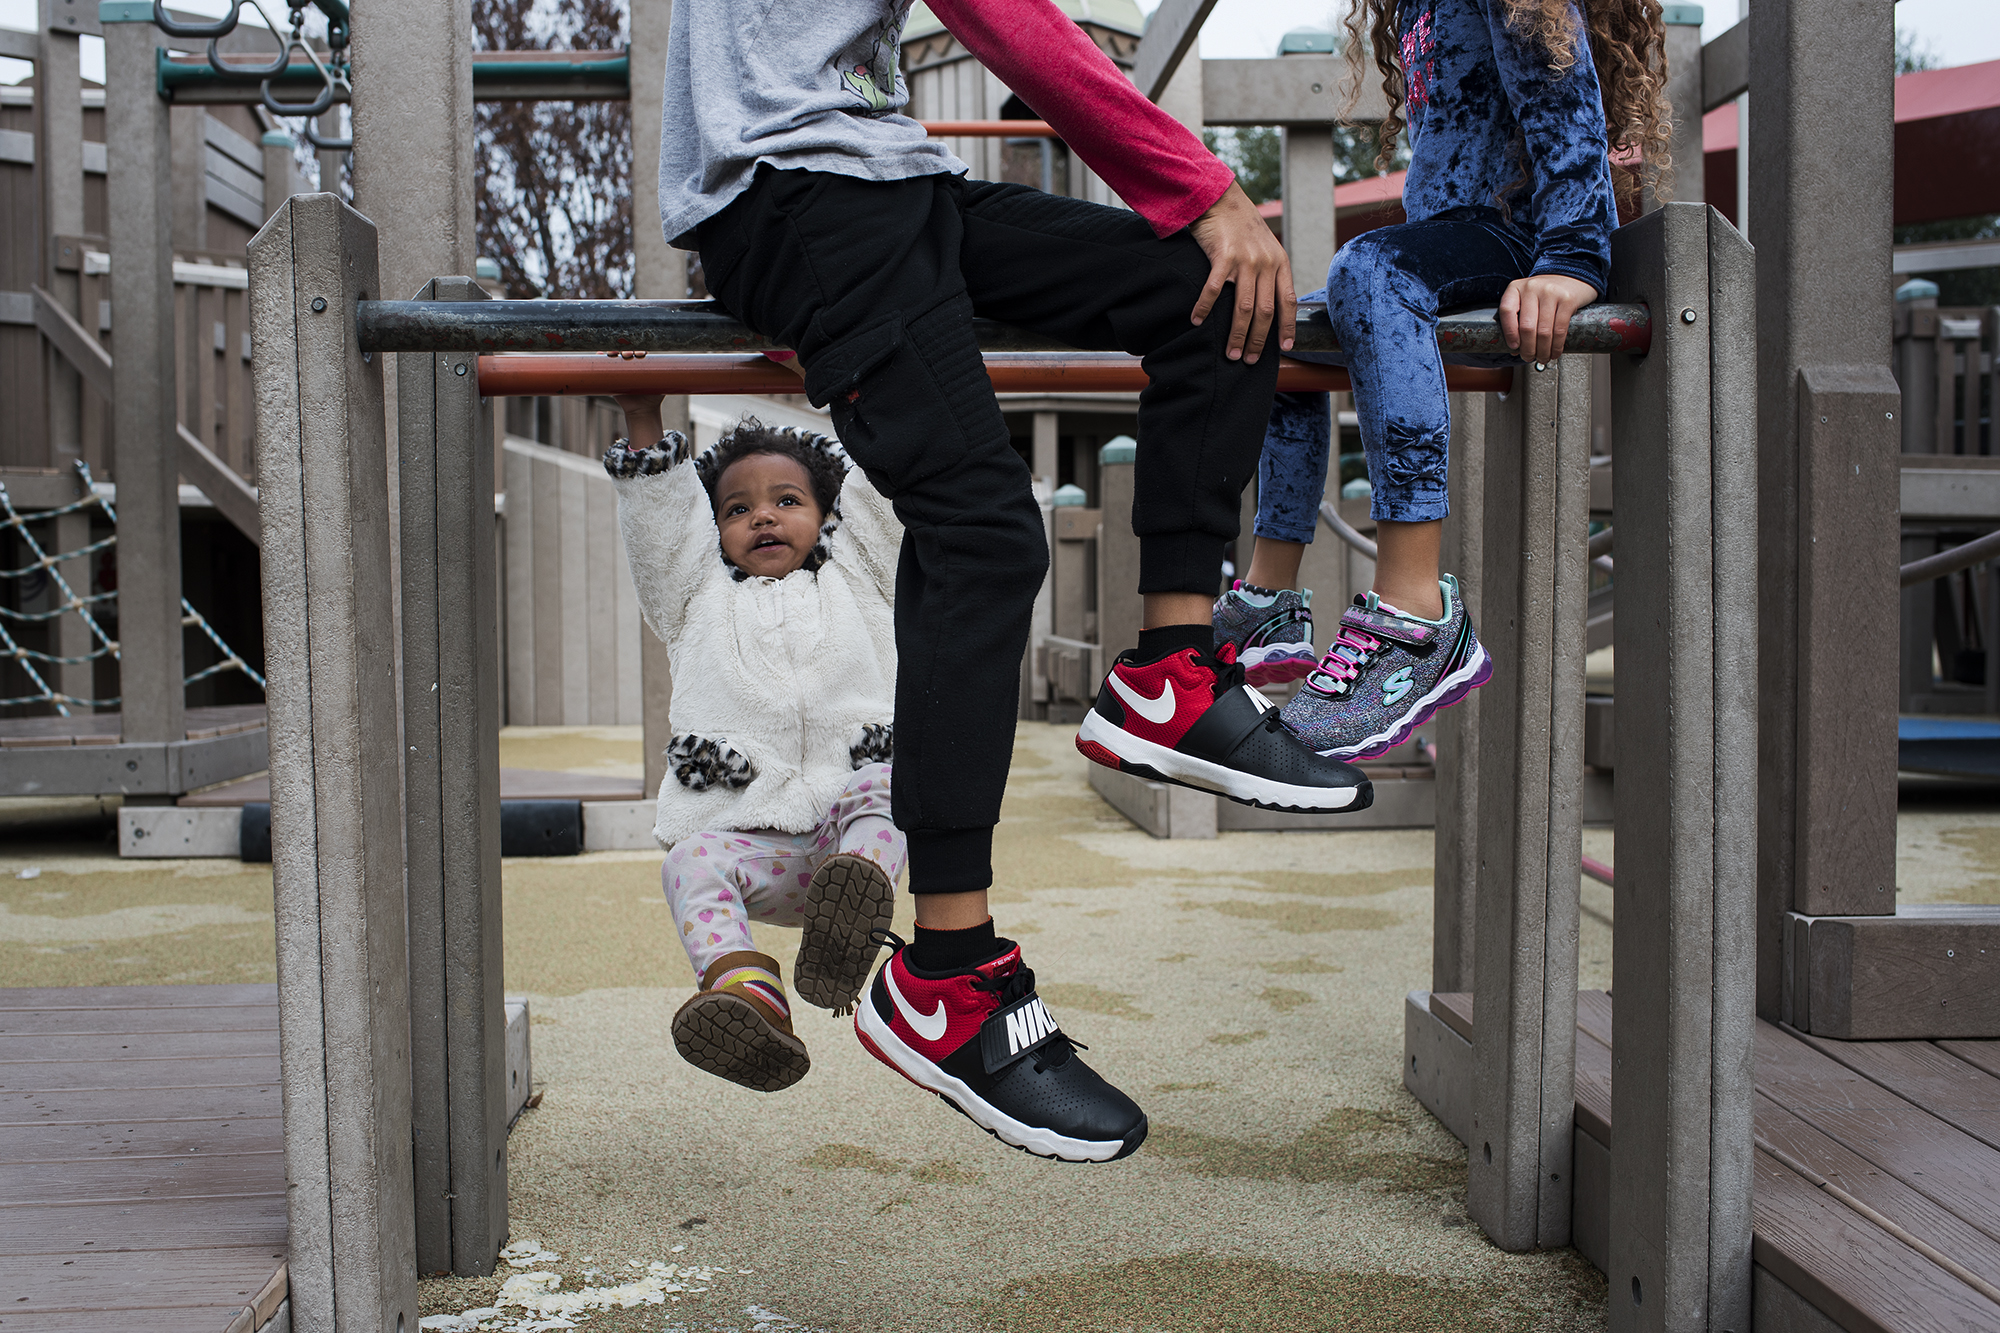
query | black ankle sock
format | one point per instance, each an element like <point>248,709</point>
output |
<point>953,950</point>
<point>1167,640</point>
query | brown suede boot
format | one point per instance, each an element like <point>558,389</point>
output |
<point>849,897</point>
<point>739,1025</point>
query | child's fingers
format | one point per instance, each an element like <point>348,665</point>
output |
<point>1560,333</point>
<point>1288,309</point>
<point>1254,308</point>
<point>1527,323</point>
<point>1510,317</point>
<point>1211,291</point>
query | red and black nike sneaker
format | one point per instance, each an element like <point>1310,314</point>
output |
<point>1189,719</point>
<point>982,1040</point>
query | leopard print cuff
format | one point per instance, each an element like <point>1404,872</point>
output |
<point>624,462</point>
<point>699,763</point>
<point>876,746</point>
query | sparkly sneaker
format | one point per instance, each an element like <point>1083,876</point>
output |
<point>739,1025</point>
<point>1271,631</point>
<point>849,899</point>
<point>1189,719</point>
<point>983,1041</point>
<point>1385,674</point>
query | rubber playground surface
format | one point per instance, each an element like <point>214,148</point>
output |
<point>1247,991</point>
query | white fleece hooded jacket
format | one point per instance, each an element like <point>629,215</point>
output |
<point>781,687</point>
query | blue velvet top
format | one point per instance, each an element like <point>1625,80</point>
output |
<point>1469,84</point>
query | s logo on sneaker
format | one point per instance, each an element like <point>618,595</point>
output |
<point>1158,711</point>
<point>930,1027</point>
<point>1397,686</point>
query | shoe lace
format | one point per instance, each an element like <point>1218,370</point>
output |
<point>1348,656</point>
<point>1228,671</point>
<point>1053,1054</point>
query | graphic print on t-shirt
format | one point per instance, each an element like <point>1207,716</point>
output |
<point>871,74</point>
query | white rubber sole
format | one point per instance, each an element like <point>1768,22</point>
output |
<point>1438,696</point>
<point>1189,771</point>
<point>1041,1142</point>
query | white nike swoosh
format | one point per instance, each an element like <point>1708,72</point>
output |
<point>1158,711</point>
<point>931,1028</point>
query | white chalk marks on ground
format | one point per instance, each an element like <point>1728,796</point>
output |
<point>533,1299</point>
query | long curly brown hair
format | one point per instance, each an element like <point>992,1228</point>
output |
<point>1627,44</point>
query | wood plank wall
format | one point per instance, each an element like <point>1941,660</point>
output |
<point>211,146</point>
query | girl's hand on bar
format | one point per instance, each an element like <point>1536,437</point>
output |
<point>1535,314</point>
<point>1242,250</point>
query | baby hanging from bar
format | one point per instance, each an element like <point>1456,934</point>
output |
<point>766,565</point>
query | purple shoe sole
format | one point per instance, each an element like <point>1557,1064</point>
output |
<point>1425,714</point>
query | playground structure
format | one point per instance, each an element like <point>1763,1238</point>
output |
<point>1755,801</point>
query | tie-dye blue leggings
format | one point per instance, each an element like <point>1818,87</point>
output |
<point>1383,293</point>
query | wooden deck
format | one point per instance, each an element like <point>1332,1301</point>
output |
<point>35,733</point>
<point>516,784</point>
<point>1877,1196</point>
<point>142,1178</point>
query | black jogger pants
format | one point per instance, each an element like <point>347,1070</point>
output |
<point>876,285</point>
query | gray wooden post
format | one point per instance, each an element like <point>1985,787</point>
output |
<point>59,156</point>
<point>451,767</point>
<point>1687,725</point>
<point>336,797</point>
<point>659,273</point>
<point>1119,607</point>
<point>1307,173</point>
<point>1454,877</point>
<point>1683,52</point>
<point>1533,598</point>
<point>1823,85</point>
<point>139,202</point>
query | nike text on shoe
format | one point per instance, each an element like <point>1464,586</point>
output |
<point>1272,632</point>
<point>1385,674</point>
<point>1189,719</point>
<point>983,1041</point>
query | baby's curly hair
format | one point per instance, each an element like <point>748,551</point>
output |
<point>822,458</point>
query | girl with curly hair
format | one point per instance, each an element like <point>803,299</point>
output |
<point>1513,108</point>
<point>767,568</point>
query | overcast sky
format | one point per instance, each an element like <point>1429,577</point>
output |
<point>1957,32</point>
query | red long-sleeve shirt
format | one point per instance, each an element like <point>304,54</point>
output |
<point>1150,159</point>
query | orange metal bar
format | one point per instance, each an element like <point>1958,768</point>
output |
<point>990,129</point>
<point>528,374</point>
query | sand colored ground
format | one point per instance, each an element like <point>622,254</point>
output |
<point>1247,991</point>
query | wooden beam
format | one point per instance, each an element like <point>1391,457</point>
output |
<point>1725,67</point>
<point>1289,90</point>
<point>73,341</point>
<point>1170,35</point>
<point>234,497</point>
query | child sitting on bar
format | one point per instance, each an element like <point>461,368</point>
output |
<point>766,565</point>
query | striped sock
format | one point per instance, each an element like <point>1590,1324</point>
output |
<point>760,982</point>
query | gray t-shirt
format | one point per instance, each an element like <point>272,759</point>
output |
<point>803,84</point>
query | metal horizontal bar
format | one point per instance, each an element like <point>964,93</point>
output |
<point>534,375</point>
<point>1963,556</point>
<point>703,326</point>
<point>990,129</point>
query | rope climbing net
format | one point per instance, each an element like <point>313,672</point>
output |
<point>49,564</point>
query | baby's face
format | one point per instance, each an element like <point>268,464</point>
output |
<point>765,509</point>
